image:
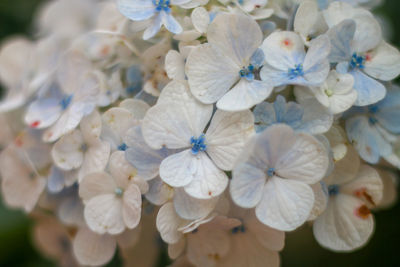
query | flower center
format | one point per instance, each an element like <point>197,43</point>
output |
<point>198,144</point>
<point>329,92</point>
<point>84,147</point>
<point>357,61</point>
<point>247,72</point>
<point>162,5</point>
<point>333,190</point>
<point>372,120</point>
<point>122,147</point>
<point>296,71</point>
<point>119,192</point>
<point>64,103</point>
<point>270,172</point>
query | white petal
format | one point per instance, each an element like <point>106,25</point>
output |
<point>135,106</point>
<point>121,170</point>
<point>175,65</point>
<point>159,192</point>
<point>321,200</point>
<point>180,169</point>
<point>367,186</point>
<point>119,120</point>
<point>132,206</point>
<point>67,152</point>
<point>200,19</point>
<point>208,181</point>
<point>175,250</point>
<point>95,184</point>
<point>167,224</point>
<point>93,249</point>
<point>339,228</point>
<point>95,159</point>
<point>190,208</point>
<point>346,168</point>
<point>244,95</point>
<point>316,65</point>
<point>170,23</point>
<point>383,63</point>
<point>91,126</point>
<point>306,161</point>
<point>316,118</point>
<point>210,73</point>
<point>286,204</point>
<point>43,112</point>
<point>237,36</point>
<point>103,214</point>
<point>283,50</point>
<point>227,135</point>
<point>21,186</point>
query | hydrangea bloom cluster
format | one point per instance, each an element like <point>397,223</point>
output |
<point>216,126</point>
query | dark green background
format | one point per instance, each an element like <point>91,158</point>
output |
<point>301,248</point>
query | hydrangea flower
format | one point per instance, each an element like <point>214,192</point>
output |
<point>230,60</point>
<point>63,110</point>
<point>373,129</point>
<point>274,175</point>
<point>309,117</point>
<point>113,202</point>
<point>358,49</point>
<point>23,166</point>
<point>82,149</point>
<point>178,122</point>
<point>288,63</point>
<point>347,223</point>
<point>159,11</point>
<point>336,94</point>
<point>148,161</point>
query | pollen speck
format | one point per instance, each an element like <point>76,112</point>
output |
<point>287,42</point>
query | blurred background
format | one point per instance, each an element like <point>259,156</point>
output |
<point>301,248</point>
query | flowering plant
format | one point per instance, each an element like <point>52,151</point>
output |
<point>216,125</point>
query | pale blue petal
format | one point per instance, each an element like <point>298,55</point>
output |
<point>146,160</point>
<point>264,116</point>
<point>369,90</point>
<point>56,181</point>
<point>388,111</point>
<point>170,23</point>
<point>137,9</point>
<point>257,59</point>
<point>367,140</point>
<point>153,28</point>
<point>342,67</point>
<point>43,112</point>
<point>340,36</point>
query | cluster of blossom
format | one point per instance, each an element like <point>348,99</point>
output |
<point>215,125</point>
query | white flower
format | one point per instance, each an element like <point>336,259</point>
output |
<point>336,93</point>
<point>23,166</point>
<point>347,223</point>
<point>148,161</point>
<point>113,202</point>
<point>274,174</point>
<point>198,25</point>
<point>230,59</point>
<point>178,122</point>
<point>288,63</point>
<point>82,149</point>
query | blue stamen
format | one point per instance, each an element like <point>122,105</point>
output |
<point>198,144</point>
<point>372,120</point>
<point>373,109</point>
<point>357,61</point>
<point>238,229</point>
<point>122,147</point>
<point>119,191</point>
<point>84,147</point>
<point>241,2</point>
<point>247,72</point>
<point>162,5</point>
<point>271,172</point>
<point>64,103</point>
<point>333,190</point>
<point>296,71</point>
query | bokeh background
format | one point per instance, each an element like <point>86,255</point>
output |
<point>16,249</point>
